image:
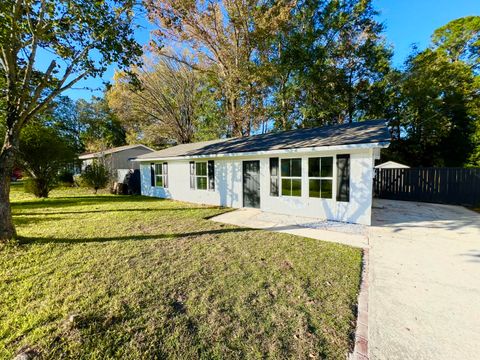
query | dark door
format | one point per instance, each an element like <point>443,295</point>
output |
<point>251,184</point>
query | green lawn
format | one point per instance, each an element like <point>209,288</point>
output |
<point>102,276</point>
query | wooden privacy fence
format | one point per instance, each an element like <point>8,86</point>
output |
<point>438,185</point>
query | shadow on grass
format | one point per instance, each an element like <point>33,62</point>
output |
<point>106,211</point>
<point>41,240</point>
<point>24,219</point>
<point>82,200</point>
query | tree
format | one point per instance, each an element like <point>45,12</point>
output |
<point>101,127</point>
<point>435,114</point>
<point>65,119</point>
<point>43,153</point>
<point>96,175</point>
<point>459,40</point>
<point>80,37</point>
<point>438,110</point>
<point>171,104</point>
<point>226,37</point>
<point>329,64</point>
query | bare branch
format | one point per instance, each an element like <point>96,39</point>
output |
<point>33,52</point>
<point>53,94</point>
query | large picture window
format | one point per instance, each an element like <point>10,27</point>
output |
<point>202,175</point>
<point>291,174</point>
<point>161,173</point>
<point>320,177</point>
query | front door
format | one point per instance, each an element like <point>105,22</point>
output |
<point>251,184</point>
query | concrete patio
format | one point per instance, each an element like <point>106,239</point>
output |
<point>348,234</point>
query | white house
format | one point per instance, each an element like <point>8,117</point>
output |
<point>118,159</point>
<point>322,172</point>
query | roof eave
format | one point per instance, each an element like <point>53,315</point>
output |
<point>376,145</point>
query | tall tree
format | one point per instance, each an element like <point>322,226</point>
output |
<point>226,36</point>
<point>438,112</point>
<point>170,104</point>
<point>100,126</point>
<point>459,40</point>
<point>332,59</point>
<point>81,38</point>
<point>64,118</point>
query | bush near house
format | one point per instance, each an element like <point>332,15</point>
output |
<point>96,176</point>
<point>140,278</point>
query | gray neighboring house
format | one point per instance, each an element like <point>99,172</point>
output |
<point>118,159</point>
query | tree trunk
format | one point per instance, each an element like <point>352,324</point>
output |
<point>7,154</point>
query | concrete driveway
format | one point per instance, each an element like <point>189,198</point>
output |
<point>424,291</point>
<point>424,275</point>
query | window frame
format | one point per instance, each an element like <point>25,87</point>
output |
<point>162,174</point>
<point>343,168</point>
<point>291,178</point>
<point>201,176</point>
<point>320,177</point>
<point>274,164</point>
<point>209,177</point>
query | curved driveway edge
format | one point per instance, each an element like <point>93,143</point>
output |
<point>360,351</point>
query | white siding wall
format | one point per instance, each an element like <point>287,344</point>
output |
<point>228,184</point>
<point>228,188</point>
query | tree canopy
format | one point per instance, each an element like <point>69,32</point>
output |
<point>81,38</point>
<point>43,153</point>
<point>172,105</point>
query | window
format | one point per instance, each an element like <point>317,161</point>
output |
<point>343,177</point>
<point>291,172</point>
<point>161,173</point>
<point>202,175</point>
<point>274,175</point>
<point>211,175</point>
<point>152,174</point>
<point>320,177</point>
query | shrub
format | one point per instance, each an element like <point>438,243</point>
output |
<point>96,176</point>
<point>43,153</point>
<point>38,186</point>
<point>66,177</point>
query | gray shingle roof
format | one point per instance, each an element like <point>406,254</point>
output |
<point>112,150</point>
<point>366,132</point>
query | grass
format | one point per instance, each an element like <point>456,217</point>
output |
<point>133,277</point>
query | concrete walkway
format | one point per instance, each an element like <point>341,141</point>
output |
<point>348,234</point>
<point>424,283</point>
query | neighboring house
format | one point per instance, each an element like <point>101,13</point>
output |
<point>118,159</point>
<point>321,172</point>
<point>391,165</point>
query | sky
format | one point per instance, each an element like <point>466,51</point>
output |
<point>407,22</point>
